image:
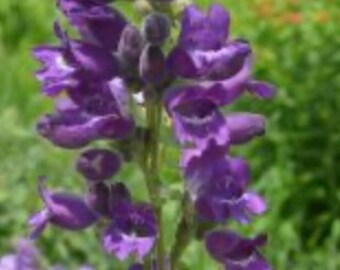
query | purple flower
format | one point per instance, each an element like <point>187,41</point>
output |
<point>66,65</point>
<point>63,210</point>
<point>132,231</point>
<point>217,184</point>
<point>211,65</point>
<point>26,257</point>
<point>71,128</point>
<point>98,164</point>
<point>204,31</point>
<point>195,116</point>
<point>97,22</point>
<point>244,126</point>
<point>203,50</point>
<point>236,252</point>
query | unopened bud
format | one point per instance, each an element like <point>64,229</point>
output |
<point>130,45</point>
<point>152,66</point>
<point>98,164</point>
<point>98,198</point>
<point>156,28</point>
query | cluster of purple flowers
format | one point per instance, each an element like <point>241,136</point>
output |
<point>93,80</point>
<point>90,72</point>
<point>218,72</point>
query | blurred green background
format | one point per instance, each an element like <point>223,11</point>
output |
<point>296,165</point>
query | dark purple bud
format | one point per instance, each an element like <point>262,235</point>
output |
<point>245,126</point>
<point>156,28</point>
<point>119,194</point>
<point>152,64</point>
<point>130,46</point>
<point>98,164</point>
<point>98,198</point>
<point>63,210</point>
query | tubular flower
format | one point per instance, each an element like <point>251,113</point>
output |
<point>217,184</point>
<point>235,252</point>
<point>65,66</point>
<point>70,127</point>
<point>132,231</point>
<point>63,210</point>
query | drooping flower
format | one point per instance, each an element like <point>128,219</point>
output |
<point>236,252</point>
<point>70,127</point>
<point>63,210</point>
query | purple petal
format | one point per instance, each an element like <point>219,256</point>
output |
<point>254,203</point>
<point>38,222</point>
<point>261,89</point>
<point>209,65</point>
<point>204,31</point>
<point>56,74</point>
<point>133,231</point>
<point>66,210</point>
<point>97,23</point>
<point>243,127</point>
<point>99,198</point>
<point>75,129</point>
<point>196,118</point>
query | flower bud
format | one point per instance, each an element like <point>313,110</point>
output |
<point>152,66</point>
<point>98,164</point>
<point>63,210</point>
<point>130,45</point>
<point>156,28</point>
<point>243,127</point>
<point>98,198</point>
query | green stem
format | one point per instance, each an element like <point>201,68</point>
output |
<point>154,118</point>
<point>183,233</point>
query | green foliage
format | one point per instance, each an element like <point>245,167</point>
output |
<point>296,165</point>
